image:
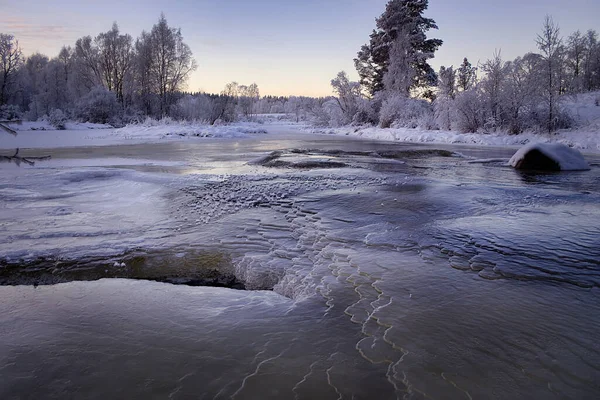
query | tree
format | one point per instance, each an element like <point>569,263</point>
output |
<point>87,61</point>
<point>348,93</point>
<point>491,88</point>
<point>466,75</point>
<point>576,46</point>
<point>115,57</point>
<point>520,91</point>
<point>400,74</point>
<point>445,97</point>
<point>166,61</point>
<point>591,62</point>
<point>11,58</point>
<point>402,23</point>
<point>549,43</point>
<point>249,95</point>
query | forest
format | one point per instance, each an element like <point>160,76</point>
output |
<point>115,79</point>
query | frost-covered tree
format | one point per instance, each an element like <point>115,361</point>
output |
<point>11,58</point>
<point>99,105</point>
<point>549,43</point>
<point>87,61</point>
<point>591,63</point>
<point>248,97</point>
<point>576,47</point>
<point>470,111</point>
<point>444,102</point>
<point>166,61</point>
<point>348,95</point>
<point>402,23</point>
<point>491,88</point>
<point>521,92</point>
<point>115,58</point>
<point>466,75</point>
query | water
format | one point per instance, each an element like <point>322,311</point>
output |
<point>405,274</point>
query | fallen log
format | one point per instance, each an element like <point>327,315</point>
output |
<point>17,159</point>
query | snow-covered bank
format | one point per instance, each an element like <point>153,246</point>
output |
<point>586,141</point>
<point>582,108</point>
<point>43,135</point>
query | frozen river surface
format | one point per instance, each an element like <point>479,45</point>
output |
<point>373,270</point>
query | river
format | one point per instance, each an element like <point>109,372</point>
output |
<point>370,269</point>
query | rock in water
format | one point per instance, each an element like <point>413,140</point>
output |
<point>548,157</point>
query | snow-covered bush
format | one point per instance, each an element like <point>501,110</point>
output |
<point>470,114</point>
<point>57,118</point>
<point>400,111</point>
<point>539,118</point>
<point>444,113</point>
<point>368,113</point>
<point>99,106</point>
<point>10,112</point>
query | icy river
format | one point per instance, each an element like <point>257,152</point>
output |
<point>371,271</point>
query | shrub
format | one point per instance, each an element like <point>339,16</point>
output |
<point>98,106</point>
<point>9,112</point>
<point>57,118</point>
<point>400,111</point>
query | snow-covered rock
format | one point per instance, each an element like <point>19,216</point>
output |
<point>548,156</point>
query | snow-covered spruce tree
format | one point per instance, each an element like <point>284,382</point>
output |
<point>466,75</point>
<point>404,25</point>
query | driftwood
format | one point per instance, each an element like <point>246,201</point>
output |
<point>5,127</point>
<point>17,159</point>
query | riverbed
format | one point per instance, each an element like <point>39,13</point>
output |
<point>367,269</point>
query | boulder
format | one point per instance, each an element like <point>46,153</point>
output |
<point>548,157</point>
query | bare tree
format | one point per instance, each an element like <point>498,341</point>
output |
<point>11,57</point>
<point>549,43</point>
<point>87,63</point>
<point>491,86</point>
<point>168,61</point>
<point>115,56</point>
<point>347,93</point>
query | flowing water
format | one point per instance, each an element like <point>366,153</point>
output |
<point>372,270</point>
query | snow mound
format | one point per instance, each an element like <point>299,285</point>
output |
<point>548,156</point>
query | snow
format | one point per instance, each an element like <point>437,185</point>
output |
<point>43,135</point>
<point>584,137</point>
<point>567,158</point>
<point>585,140</point>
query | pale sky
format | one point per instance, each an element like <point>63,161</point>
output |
<point>291,47</point>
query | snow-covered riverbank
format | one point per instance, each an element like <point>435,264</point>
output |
<point>586,137</point>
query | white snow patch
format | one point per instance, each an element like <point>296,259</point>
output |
<point>568,159</point>
<point>42,135</point>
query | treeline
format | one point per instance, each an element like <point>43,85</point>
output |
<point>107,78</point>
<point>399,88</point>
<point>112,78</point>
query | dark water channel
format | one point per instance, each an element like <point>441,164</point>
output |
<point>372,270</point>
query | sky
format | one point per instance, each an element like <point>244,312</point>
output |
<point>291,47</point>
